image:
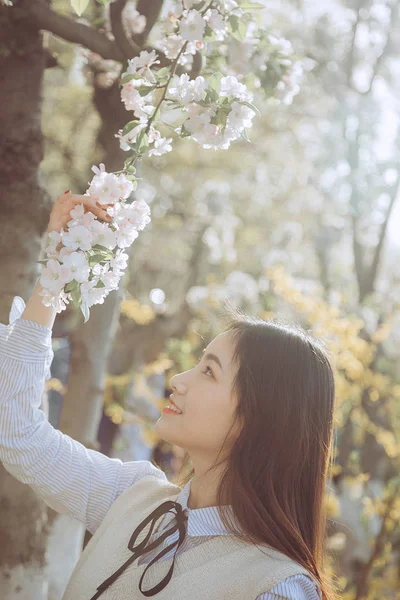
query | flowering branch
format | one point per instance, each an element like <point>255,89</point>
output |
<point>86,261</point>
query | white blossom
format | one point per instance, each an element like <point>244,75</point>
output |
<point>78,267</point>
<point>54,276</point>
<point>192,26</point>
<point>126,235</point>
<point>217,23</point>
<point>109,188</point>
<point>78,238</point>
<point>230,86</point>
<point>92,295</point>
<point>103,235</point>
<point>119,262</point>
<point>171,45</point>
<point>161,146</point>
<point>57,301</point>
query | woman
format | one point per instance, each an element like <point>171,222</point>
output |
<point>255,416</point>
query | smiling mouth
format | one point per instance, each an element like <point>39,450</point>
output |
<point>173,409</point>
<point>173,403</point>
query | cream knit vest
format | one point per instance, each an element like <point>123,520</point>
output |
<point>221,568</point>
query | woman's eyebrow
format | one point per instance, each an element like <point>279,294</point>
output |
<point>214,357</point>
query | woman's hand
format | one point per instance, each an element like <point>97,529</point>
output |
<point>59,216</point>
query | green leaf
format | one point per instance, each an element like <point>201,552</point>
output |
<point>102,248</point>
<point>233,22</point>
<point>72,285</point>
<point>184,132</point>
<point>85,311</point>
<point>144,143</point>
<point>238,28</point>
<point>221,117</point>
<point>250,105</point>
<point>145,89</point>
<point>215,81</point>
<point>244,136</point>
<point>163,72</point>
<point>129,126</point>
<point>212,96</point>
<point>96,259</point>
<point>209,34</point>
<point>128,78</point>
<point>250,6</point>
<point>241,31</point>
<point>79,6</point>
<point>76,296</point>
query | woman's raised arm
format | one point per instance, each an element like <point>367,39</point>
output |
<point>69,477</point>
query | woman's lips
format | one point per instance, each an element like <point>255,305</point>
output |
<point>174,403</point>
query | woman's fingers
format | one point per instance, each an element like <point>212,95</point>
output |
<point>67,200</point>
<point>92,204</point>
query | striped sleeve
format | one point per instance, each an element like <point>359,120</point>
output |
<point>296,587</point>
<point>69,477</point>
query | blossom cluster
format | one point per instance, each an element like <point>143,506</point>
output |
<point>87,259</point>
<point>213,112</point>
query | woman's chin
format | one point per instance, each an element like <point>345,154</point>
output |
<point>164,429</point>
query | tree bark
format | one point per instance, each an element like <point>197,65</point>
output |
<point>25,209</point>
<point>90,346</point>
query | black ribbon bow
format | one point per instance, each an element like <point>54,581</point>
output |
<point>141,548</point>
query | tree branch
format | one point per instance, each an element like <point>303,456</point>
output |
<point>369,284</point>
<point>349,63</point>
<point>197,65</point>
<point>358,256</point>
<point>128,47</point>
<point>379,61</point>
<point>150,10</point>
<point>43,17</point>
<point>361,591</point>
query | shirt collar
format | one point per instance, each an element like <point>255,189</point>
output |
<point>202,521</point>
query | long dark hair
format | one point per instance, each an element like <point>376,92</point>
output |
<point>276,472</point>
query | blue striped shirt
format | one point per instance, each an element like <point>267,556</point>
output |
<point>69,477</point>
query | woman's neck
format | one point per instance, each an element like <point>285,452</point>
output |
<point>203,490</point>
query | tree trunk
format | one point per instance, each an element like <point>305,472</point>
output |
<point>25,209</point>
<point>90,346</point>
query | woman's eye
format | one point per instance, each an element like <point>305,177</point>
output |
<point>208,369</point>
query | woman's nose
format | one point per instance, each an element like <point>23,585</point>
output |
<point>177,386</point>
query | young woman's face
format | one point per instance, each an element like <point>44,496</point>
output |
<point>205,396</point>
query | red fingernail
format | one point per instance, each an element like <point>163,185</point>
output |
<point>67,192</point>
